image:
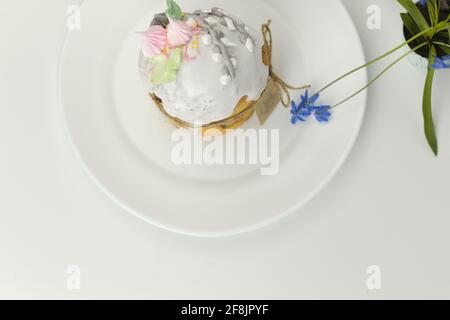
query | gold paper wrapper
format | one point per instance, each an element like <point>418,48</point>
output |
<point>242,112</point>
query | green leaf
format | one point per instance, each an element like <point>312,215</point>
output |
<point>409,23</point>
<point>415,13</point>
<point>433,11</point>
<point>165,69</point>
<point>412,27</point>
<point>445,49</point>
<point>174,10</point>
<point>443,46</point>
<point>442,41</point>
<point>430,131</point>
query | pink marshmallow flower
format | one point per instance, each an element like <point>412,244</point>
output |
<point>154,41</point>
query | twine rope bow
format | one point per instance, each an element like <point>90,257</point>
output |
<point>284,87</point>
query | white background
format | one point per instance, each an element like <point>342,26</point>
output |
<point>388,206</point>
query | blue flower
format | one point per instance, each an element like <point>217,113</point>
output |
<point>322,113</point>
<point>441,63</point>
<point>307,107</point>
<point>302,111</point>
<point>423,3</point>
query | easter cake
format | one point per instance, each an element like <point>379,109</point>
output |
<point>203,67</point>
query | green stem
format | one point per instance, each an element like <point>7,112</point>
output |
<point>442,26</point>
<point>441,44</point>
<point>379,75</point>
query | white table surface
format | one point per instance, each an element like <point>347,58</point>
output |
<point>388,206</point>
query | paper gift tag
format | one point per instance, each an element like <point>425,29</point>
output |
<point>269,100</point>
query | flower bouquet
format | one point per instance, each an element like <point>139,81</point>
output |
<point>427,33</point>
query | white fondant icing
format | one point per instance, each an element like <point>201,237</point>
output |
<point>228,42</point>
<point>206,39</point>
<point>230,24</point>
<point>250,45</point>
<point>225,79</point>
<point>192,23</point>
<point>212,19</point>
<point>217,57</point>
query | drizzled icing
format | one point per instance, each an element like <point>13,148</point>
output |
<point>180,28</point>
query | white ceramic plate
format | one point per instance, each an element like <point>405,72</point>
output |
<point>124,142</point>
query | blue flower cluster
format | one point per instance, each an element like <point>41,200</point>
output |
<point>423,3</point>
<point>306,108</point>
<point>441,63</point>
